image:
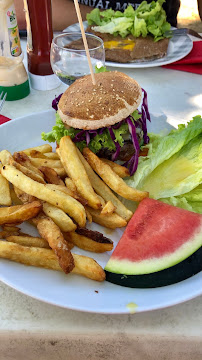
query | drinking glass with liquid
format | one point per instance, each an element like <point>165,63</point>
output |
<point>68,56</point>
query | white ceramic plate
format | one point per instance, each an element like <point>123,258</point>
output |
<point>179,46</point>
<point>71,291</point>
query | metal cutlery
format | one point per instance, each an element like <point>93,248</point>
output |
<point>182,31</point>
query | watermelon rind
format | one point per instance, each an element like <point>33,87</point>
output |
<point>177,273</point>
<point>120,266</point>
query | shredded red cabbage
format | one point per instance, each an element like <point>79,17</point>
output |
<point>55,102</point>
<point>141,123</point>
<point>118,148</point>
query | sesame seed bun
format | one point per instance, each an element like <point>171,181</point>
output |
<point>86,106</point>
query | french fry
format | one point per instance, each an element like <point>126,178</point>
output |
<point>61,188</point>
<point>38,162</point>
<point>15,200</point>
<point>51,232</point>
<point>5,157</point>
<point>59,217</point>
<point>68,204</point>
<point>24,197</point>
<point>27,240</point>
<point>88,267</point>
<point>46,258</point>
<point>30,173</point>
<point>46,148</point>
<point>120,170</point>
<point>112,179</point>
<point>85,243</point>
<point>7,232</point>
<point>88,216</point>
<point>38,154</point>
<point>108,209</point>
<point>52,155</point>
<point>22,159</point>
<point>61,172</point>
<point>102,201</point>
<point>5,195</point>
<point>18,213</point>
<point>112,221</point>
<point>76,171</point>
<point>51,176</point>
<point>70,185</point>
<point>103,190</point>
<point>10,228</point>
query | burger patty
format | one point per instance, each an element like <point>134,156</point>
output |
<point>130,49</point>
<point>126,151</point>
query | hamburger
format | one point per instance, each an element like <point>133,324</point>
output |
<point>104,117</point>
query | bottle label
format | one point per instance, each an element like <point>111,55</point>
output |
<point>13,32</point>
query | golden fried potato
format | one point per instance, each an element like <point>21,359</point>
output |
<point>5,195</point>
<point>14,198</point>
<point>18,213</point>
<point>28,241</point>
<point>76,171</point>
<point>24,197</point>
<point>46,258</point>
<point>108,209</point>
<point>52,155</point>
<point>23,160</point>
<point>30,173</point>
<point>51,176</point>
<point>51,232</point>
<point>112,179</point>
<point>31,241</point>
<point>85,243</point>
<point>112,221</point>
<point>46,148</point>
<point>59,217</point>
<point>53,164</point>
<point>120,170</point>
<point>68,204</point>
<point>5,157</point>
<point>103,190</point>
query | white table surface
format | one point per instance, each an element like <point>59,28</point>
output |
<point>30,329</point>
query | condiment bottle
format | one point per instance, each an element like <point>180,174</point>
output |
<point>13,76</point>
<point>39,37</point>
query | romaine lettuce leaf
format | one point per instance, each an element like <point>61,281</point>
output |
<point>162,149</point>
<point>191,201</point>
<point>178,175</point>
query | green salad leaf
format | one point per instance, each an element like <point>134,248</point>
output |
<point>97,143</point>
<point>147,19</point>
<point>172,171</point>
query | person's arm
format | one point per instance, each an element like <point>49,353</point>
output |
<point>64,13</point>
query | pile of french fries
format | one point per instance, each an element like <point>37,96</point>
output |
<point>58,193</point>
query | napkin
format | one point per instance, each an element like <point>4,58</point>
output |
<point>190,63</point>
<point>3,119</point>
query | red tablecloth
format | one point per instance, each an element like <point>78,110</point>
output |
<point>3,119</point>
<point>190,63</point>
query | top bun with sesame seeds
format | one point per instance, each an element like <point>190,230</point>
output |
<point>86,106</point>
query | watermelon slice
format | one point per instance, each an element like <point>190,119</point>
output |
<point>161,245</point>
